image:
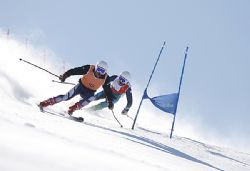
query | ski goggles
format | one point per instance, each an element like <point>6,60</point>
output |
<point>100,70</point>
<point>122,80</point>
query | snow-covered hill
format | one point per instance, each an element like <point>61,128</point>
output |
<point>31,140</point>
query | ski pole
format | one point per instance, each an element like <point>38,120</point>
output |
<point>45,71</point>
<point>63,82</point>
<point>38,67</point>
<point>116,119</point>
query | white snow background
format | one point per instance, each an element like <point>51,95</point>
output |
<point>32,141</point>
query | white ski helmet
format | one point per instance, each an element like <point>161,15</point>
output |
<point>103,65</point>
<point>126,75</point>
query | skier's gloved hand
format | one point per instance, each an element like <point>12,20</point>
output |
<point>124,111</point>
<point>62,78</point>
<point>111,105</point>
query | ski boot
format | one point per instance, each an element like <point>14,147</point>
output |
<point>73,108</point>
<point>45,103</point>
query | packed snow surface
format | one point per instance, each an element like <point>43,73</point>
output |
<point>31,140</point>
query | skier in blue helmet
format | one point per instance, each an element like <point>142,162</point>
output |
<point>120,86</point>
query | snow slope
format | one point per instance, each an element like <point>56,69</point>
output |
<point>31,140</point>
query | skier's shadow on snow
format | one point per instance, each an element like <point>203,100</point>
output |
<point>153,144</point>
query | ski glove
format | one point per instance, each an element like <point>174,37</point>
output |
<point>111,105</point>
<point>125,111</point>
<point>62,78</point>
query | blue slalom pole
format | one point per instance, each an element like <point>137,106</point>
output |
<point>183,67</point>
<point>148,85</point>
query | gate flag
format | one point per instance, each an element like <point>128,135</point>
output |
<point>166,103</point>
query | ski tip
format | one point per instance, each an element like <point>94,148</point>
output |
<point>40,107</point>
<point>80,119</point>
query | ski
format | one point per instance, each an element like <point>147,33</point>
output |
<point>128,116</point>
<point>73,118</point>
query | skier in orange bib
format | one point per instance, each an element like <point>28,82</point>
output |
<point>94,76</point>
